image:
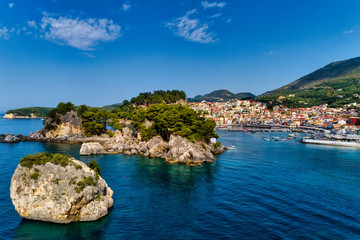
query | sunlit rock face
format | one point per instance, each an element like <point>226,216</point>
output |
<point>60,194</point>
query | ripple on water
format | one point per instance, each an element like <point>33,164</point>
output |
<point>260,190</point>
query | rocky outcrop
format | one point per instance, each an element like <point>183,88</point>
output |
<point>178,149</point>
<point>10,138</point>
<point>69,129</point>
<point>60,194</point>
<point>91,148</point>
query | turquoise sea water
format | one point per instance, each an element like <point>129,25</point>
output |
<point>261,190</point>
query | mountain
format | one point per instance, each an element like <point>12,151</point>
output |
<point>341,69</point>
<point>221,95</point>
<point>335,84</point>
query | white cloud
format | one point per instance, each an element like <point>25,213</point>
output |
<point>32,24</point>
<point>216,15</point>
<point>87,54</point>
<point>4,33</point>
<point>126,7</point>
<point>207,4</point>
<point>191,28</point>
<point>348,31</point>
<point>11,5</point>
<point>79,33</point>
<point>271,52</point>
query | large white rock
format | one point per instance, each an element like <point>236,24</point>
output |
<point>91,148</point>
<point>55,195</point>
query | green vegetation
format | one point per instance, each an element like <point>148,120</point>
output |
<point>35,176</point>
<point>336,84</point>
<point>95,166</point>
<point>41,158</point>
<point>93,120</point>
<point>153,107</point>
<point>54,115</point>
<point>148,98</point>
<point>78,166</point>
<point>336,93</point>
<point>170,119</point>
<point>26,112</point>
<point>87,181</point>
<point>217,145</point>
<point>222,95</point>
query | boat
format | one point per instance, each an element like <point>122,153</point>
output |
<point>335,140</point>
<point>292,135</point>
<point>266,139</point>
<point>231,148</point>
<point>276,138</point>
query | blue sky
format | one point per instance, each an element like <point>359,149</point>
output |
<point>102,52</point>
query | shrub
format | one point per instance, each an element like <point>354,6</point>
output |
<point>35,175</point>
<point>78,166</point>
<point>95,166</point>
<point>42,158</point>
<point>111,134</point>
<point>217,144</point>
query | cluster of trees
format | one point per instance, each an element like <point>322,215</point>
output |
<point>54,115</point>
<point>170,119</point>
<point>41,158</point>
<point>156,97</point>
<point>94,120</point>
<point>335,93</point>
<point>166,119</point>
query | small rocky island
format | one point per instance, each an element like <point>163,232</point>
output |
<point>57,188</point>
<point>157,125</point>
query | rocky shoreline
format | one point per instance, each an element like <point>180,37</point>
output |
<point>177,149</point>
<point>124,141</point>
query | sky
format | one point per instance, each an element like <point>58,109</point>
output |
<point>103,52</point>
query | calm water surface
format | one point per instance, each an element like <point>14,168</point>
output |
<point>261,190</point>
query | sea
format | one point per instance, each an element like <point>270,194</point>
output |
<point>259,190</point>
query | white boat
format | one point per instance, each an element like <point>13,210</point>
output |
<point>231,148</point>
<point>266,139</point>
<point>276,138</point>
<point>331,142</point>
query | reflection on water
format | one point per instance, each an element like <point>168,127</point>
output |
<point>29,229</point>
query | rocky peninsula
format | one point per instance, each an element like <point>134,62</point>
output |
<point>173,132</point>
<point>128,142</point>
<point>59,189</point>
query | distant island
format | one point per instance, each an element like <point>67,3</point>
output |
<point>29,112</point>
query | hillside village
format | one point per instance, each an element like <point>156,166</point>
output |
<point>243,112</point>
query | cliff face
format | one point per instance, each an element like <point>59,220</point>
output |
<point>60,194</point>
<point>69,129</point>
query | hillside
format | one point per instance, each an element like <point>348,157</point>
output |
<point>26,112</point>
<point>336,84</point>
<point>221,95</point>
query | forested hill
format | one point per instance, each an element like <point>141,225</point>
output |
<point>26,112</point>
<point>335,84</point>
<point>221,95</point>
